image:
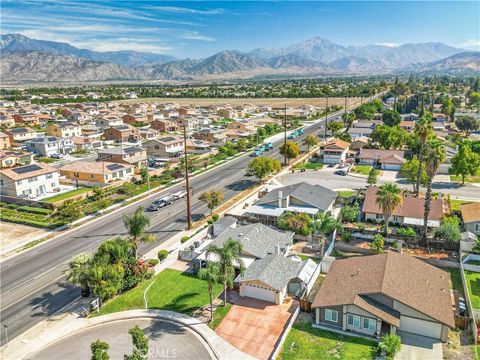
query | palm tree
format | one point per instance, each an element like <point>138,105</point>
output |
<point>136,226</point>
<point>435,155</point>
<point>324,225</point>
<point>388,198</point>
<point>423,129</point>
<point>211,274</point>
<point>228,255</point>
<point>310,140</point>
<point>78,271</point>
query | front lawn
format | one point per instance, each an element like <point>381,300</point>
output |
<point>455,204</point>
<point>346,194</point>
<point>473,285</point>
<point>362,169</point>
<point>468,179</point>
<point>67,195</point>
<point>172,290</point>
<point>307,342</point>
<point>46,160</point>
<point>309,166</point>
<point>219,314</point>
<point>456,279</point>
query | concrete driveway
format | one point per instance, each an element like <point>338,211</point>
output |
<point>415,347</point>
<point>389,175</point>
<point>254,326</point>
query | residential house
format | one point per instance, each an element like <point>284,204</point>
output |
<point>164,125</point>
<point>409,213</point>
<point>122,133</point>
<point>190,123</point>
<point>234,134</point>
<point>214,136</point>
<point>97,171</point>
<point>31,180</point>
<point>334,152</point>
<point>64,129</point>
<point>187,112</point>
<point>359,143</point>
<point>407,125</point>
<point>227,113</point>
<point>360,132</point>
<point>242,125</point>
<point>4,141</point>
<point>132,155</point>
<point>471,217</point>
<point>49,145</point>
<point>7,121</point>
<point>109,121</point>
<point>9,158</point>
<point>26,118</point>
<point>387,159</point>
<point>18,135</point>
<point>409,117</point>
<point>385,294</point>
<point>148,134</point>
<point>86,143</point>
<point>137,119</point>
<point>297,198</point>
<point>165,147</point>
<point>198,146</point>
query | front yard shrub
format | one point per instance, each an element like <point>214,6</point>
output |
<point>390,344</point>
<point>184,239</point>
<point>409,231</point>
<point>210,221</point>
<point>349,213</point>
<point>215,217</point>
<point>447,232</point>
<point>377,244</point>
<point>153,262</point>
<point>346,236</point>
<point>162,255</point>
<point>300,224</point>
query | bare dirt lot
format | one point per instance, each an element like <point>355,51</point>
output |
<point>291,102</point>
<point>11,233</point>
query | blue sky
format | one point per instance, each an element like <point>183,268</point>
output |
<point>198,29</point>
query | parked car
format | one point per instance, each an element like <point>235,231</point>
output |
<point>179,195</point>
<point>341,172</point>
<point>331,165</point>
<point>56,156</point>
<point>269,146</point>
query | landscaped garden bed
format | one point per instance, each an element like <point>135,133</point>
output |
<point>28,215</point>
<point>362,169</point>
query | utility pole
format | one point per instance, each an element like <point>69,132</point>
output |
<point>285,136</point>
<point>187,184</point>
<point>326,119</point>
<point>346,100</point>
<point>6,333</point>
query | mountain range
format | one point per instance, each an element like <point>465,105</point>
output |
<point>23,59</point>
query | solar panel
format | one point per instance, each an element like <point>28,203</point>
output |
<point>26,169</point>
<point>168,138</point>
<point>114,167</point>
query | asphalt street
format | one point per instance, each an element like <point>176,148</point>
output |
<point>32,283</point>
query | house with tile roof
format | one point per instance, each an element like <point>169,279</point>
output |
<point>31,180</point>
<point>97,171</point>
<point>334,152</point>
<point>471,217</point>
<point>384,294</point>
<point>386,159</point>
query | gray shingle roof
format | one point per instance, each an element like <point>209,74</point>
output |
<point>315,195</point>
<point>275,270</point>
<point>256,239</point>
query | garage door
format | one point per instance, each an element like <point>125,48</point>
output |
<point>420,327</point>
<point>391,167</point>
<point>260,293</point>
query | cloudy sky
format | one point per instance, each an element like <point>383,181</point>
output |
<point>198,29</point>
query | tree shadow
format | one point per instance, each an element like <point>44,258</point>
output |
<point>181,303</point>
<point>158,328</point>
<point>241,185</point>
<point>50,303</point>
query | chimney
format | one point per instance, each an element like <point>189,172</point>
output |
<point>280,195</point>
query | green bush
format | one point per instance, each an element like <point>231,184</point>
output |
<point>210,221</point>
<point>349,213</point>
<point>153,262</point>
<point>215,217</point>
<point>346,236</point>
<point>409,231</point>
<point>162,255</point>
<point>184,239</point>
<point>391,344</point>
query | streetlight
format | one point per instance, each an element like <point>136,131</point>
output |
<point>189,214</point>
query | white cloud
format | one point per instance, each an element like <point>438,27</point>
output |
<point>194,35</point>
<point>472,44</point>
<point>389,44</point>
<point>182,10</point>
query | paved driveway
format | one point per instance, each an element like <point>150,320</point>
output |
<point>415,347</point>
<point>254,326</point>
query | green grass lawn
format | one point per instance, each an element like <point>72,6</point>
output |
<point>468,179</point>
<point>306,342</point>
<point>46,160</point>
<point>455,204</point>
<point>362,169</point>
<point>456,279</point>
<point>172,290</point>
<point>346,194</point>
<point>306,257</point>
<point>219,314</point>
<point>67,195</point>
<point>473,284</point>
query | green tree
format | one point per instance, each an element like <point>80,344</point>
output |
<point>70,211</point>
<point>391,118</point>
<point>104,203</point>
<point>137,225</point>
<point>372,177</point>
<point>345,137</point>
<point>465,162</point>
<point>324,225</point>
<point>409,170</point>
<point>299,223</point>
<point>78,270</point>
<point>447,232</point>
<point>423,130</point>
<point>448,108</point>
<point>388,198</point>
<point>350,213</point>
<point>128,189</point>
<point>290,150</point>
<point>140,344</point>
<point>467,124</point>
<point>389,137</point>
<point>144,174</point>
<point>263,166</point>
<point>228,255</point>
<point>378,244</point>
<point>334,127</point>
<point>212,199</point>
<point>391,344</point>
<point>211,274</point>
<point>348,119</point>
<point>99,350</point>
<point>310,140</point>
<point>98,192</point>
<point>435,155</point>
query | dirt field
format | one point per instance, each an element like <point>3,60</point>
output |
<point>291,102</point>
<point>11,233</point>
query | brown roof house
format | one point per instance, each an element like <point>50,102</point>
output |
<point>122,133</point>
<point>130,155</point>
<point>471,217</point>
<point>387,159</point>
<point>410,212</point>
<point>334,152</point>
<point>91,172</point>
<point>31,180</point>
<point>385,294</point>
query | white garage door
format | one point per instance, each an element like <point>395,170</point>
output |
<point>260,293</point>
<point>391,167</point>
<point>420,327</point>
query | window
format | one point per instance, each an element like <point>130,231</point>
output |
<point>32,179</point>
<point>27,192</point>
<point>369,324</point>
<point>477,227</point>
<point>353,320</point>
<point>49,176</point>
<point>19,182</point>
<point>379,216</point>
<point>331,315</point>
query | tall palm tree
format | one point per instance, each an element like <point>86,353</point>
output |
<point>211,274</point>
<point>423,129</point>
<point>78,271</point>
<point>324,225</point>
<point>435,155</point>
<point>388,198</point>
<point>136,226</point>
<point>228,255</point>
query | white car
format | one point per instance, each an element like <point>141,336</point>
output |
<point>179,194</point>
